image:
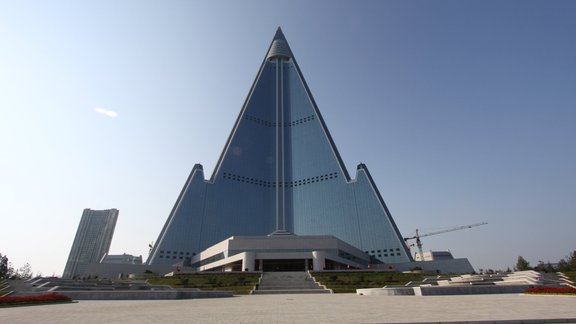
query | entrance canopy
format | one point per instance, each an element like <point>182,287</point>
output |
<point>280,253</point>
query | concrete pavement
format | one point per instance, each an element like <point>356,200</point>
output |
<point>324,308</point>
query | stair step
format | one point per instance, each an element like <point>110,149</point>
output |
<point>288,283</point>
<point>4,294</point>
<point>288,288</point>
<point>291,291</point>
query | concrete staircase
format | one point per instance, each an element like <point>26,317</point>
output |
<point>18,287</point>
<point>508,283</point>
<point>107,289</point>
<point>5,289</point>
<point>566,281</point>
<point>288,283</point>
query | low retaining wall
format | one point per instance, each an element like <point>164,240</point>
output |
<point>469,290</point>
<point>515,283</point>
<point>444,290</point>
<point>400,291</point>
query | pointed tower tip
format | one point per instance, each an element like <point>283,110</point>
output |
<point>279,47</point>
<point>279,34</point>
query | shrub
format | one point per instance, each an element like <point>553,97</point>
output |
<point>239,283</point>
<point>551,290</point>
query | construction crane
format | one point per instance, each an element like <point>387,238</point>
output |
<point>418,235</point>
<point>150,247</point>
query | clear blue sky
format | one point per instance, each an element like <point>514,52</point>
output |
<point>464,111</point>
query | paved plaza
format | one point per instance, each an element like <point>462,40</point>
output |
<point>336,308</point>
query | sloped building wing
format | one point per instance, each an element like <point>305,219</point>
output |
<point>279,172</point>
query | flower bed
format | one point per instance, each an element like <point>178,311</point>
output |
<point>551,290</point>
<point>32,300</point>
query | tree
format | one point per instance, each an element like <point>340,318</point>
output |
<point>572,261</point>
<point>6,269</point>
<point>522,264</point>
<point>549,268</point>
<point>544,267</point>
<point>24,272</point>
<point>563,265</point>
<point>3,266</point>
<point>540,267</point>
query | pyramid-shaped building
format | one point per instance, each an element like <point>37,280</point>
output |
<point>279,173</point>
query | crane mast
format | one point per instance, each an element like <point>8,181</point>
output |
<point>418,235</point>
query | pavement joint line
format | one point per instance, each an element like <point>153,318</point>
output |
<point>521,321</point>
<point>306,308</point>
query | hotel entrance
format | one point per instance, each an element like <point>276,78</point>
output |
<point>282,265</point>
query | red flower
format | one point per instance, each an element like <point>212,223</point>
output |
<point>551,290</point>
<point>53,297</point>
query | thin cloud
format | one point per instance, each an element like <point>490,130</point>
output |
<point>107,112</point>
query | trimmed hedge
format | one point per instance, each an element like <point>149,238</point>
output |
<point>239,283</point>
<point>349,281</point>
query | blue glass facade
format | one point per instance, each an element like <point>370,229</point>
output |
<point>279,172</point>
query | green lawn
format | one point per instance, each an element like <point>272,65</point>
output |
<point>349,281</point>
<point>571,275</point>
<point>239,283</point>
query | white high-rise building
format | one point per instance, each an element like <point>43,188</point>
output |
<point>92,240</point>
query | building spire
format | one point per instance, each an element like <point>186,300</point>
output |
<point>279,47</point>
<point>279,34</point>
